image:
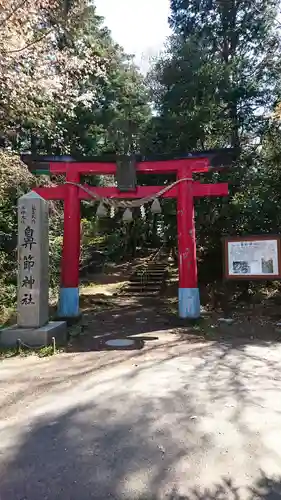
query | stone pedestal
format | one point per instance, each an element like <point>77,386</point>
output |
<point>33,327</point>
<point>35,337</point>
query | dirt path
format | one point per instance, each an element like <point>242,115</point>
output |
<point>106,313</point>
<point>187,413</point>
<point>197,420</point>
<point>109,316</point>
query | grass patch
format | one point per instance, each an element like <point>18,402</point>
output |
<point>206,328</point>
<point>23,352</point>
<point>171,306</point>
<point>7,316</point>
<point>8,353</point>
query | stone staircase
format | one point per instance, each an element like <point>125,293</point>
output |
<point>148,280</point>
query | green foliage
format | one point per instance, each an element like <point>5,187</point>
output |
<point>216,86</point>
<point>220,73</point>
<point>15,180</point>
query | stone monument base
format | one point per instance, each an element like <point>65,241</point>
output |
<point>34,337</point>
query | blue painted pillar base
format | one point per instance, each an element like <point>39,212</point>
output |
<point>189,303</point>
<point>69,303</point>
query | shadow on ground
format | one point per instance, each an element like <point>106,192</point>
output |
<point>72,457</point>
<point>123,317</point>
<point>146,433</point>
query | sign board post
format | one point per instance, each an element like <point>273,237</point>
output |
<point>252,257</point>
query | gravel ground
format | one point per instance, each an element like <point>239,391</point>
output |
<point>173,420</point>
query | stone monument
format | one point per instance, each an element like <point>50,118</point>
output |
<point>33,327</point>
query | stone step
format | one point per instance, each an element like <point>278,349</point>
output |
<point>155,272</point>
<point>150,277</point>
<point>151,271</point>
<point>149,281</point>
<point>146,271</point>
<point>145,285</point>
<point>145,282</point>
<point>154,275</point>
<point>143,289</point>
<point>141,294</point>
<point>155,266</point>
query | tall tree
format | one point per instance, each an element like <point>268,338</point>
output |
<point>216,86</point>
<point>242,37</point>
<point>63,79</point>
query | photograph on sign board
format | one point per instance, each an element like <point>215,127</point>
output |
<point>247,258</point>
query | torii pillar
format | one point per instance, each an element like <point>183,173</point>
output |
<point>188,292</point>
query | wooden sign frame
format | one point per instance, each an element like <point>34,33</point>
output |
<point>250,240</point>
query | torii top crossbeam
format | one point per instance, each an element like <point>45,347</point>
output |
<point>199,161</point>
<point>185,190</point>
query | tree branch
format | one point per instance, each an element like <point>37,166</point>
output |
<point>13,11</point>
<point>34,42</point>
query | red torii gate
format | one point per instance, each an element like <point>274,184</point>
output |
<point>185,191</point>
